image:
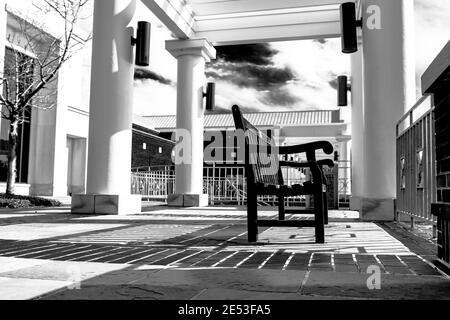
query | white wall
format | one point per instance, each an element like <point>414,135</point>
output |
<point>48,163</point>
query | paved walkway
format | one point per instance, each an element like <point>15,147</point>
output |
<point>203,254</point>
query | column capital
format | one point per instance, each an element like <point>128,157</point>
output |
<point>343,138</point>
<point>197,47</point>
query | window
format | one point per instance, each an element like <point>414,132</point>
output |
<point>19,70</point>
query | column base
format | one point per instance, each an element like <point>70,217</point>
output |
<point>106,204</point>
<point>377,209</point>
<point>188,200</point>
<point>356,203</point>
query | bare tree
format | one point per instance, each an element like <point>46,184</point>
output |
<point>32,62</point>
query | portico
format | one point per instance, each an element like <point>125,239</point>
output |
<point>382,87</point>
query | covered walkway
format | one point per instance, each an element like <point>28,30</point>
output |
<point>383,87</point>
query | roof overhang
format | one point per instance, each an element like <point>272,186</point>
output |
<point>226,22</point>
<point>316,131</point>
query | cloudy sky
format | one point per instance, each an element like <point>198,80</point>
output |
<point>280,76</point>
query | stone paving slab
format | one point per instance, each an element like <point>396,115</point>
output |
<point>125,292</point>
<point>255,280</point>
<point>12,264</point>
<point>183,285</point>
<point>25,289</point>
<point>124,276</point>
<point>60,271</point>
<point>36,231</point>
<point>393,287</point>
<point>24,279</point>
<point>229,294</point>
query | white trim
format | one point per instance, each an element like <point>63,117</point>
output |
<point>225,22</point>
<point>15,47</point>
<point>175,15</point>
<point>215,7</point>
<point>79,111</point>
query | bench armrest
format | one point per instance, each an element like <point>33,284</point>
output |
<point>293,164</point>
<point>326,162</point>
<point>307,147</point>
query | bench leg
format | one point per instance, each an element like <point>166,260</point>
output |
<point>281,211</point>
<point>325,208</point>
<point>252,216</point>
<point>319,217</point>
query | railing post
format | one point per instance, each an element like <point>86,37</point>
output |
<point>213,191</point>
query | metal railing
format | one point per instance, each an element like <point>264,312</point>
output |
<point>225,185</point>
<point>344,183</point>
<point>416,163</point>
<point>153,183</point>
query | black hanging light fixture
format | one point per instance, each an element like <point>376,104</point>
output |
<point>343,88</point>
<point>349,25</point>
<point>142,43</point>
<point>210,96</point>
<point>336,156</point>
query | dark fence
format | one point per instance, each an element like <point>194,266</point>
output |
<point>416,163</point>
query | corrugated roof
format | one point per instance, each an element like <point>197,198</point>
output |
<point>143,122</point>
<point>261,119</point>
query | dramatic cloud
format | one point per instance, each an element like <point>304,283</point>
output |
<point>280,76</point>
<point>432,31</point>
<point>251,67</point>
<point>334,82</point>
<point>258,54</point>
<point>154,98</point>
<point>146,74</point>
<point>281,97</point>
<point>250,75</point>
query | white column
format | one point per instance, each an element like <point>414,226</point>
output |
<point>389,90</point>
<point>357,149</point>
<point>3,27</point>
<point>111,110</point>
<point>3,31</point>
<point>192,56</point>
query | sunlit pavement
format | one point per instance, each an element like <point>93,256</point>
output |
<point>168,253</point>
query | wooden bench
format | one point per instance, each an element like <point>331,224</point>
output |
<point>264,177</point>
<point>322,163</point>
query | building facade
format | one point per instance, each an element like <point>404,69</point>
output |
<point>52,151</point>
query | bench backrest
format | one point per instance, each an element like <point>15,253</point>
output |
<point>262,158</point>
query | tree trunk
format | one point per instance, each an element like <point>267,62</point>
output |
<point>12,157</point>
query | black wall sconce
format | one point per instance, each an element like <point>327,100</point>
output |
<point>349,26</point>
<point>210,96</point>
<point>343,87</point>
<point>336,156</point>
<point>142,43</point>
